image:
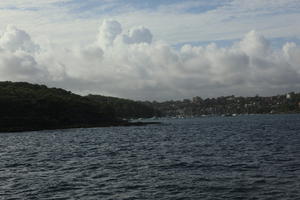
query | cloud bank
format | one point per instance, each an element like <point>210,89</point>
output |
<point>129,63</point>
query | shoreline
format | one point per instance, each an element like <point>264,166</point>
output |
<point>103,125</point>
<point>117,124</point>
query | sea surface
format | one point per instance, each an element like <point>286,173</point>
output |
<point>243,157</point>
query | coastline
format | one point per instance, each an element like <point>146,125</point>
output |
<point>102,125</point>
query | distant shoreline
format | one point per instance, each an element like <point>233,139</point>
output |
<point>116,124</point>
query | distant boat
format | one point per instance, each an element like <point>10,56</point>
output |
<point>229,115</point>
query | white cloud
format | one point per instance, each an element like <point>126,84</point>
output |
<point>138,35</point>
<point>255,45</point>
<point>129,64</point>
<point>292,55</point>
<point>15,39</point>
<point>108,32</point>
<point>20,66</point>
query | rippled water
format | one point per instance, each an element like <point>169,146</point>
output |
<point>245,157</point>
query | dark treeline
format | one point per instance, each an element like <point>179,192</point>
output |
<point>287,103</point>
<point>26,106</point>
<point>126,108</point>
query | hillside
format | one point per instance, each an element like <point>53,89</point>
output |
<point>126,108</point>
<point>26,106</point>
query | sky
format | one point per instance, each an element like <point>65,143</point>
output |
<point>153,49</point>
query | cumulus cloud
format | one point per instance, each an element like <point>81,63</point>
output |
<point>17,57</point>
<point>138,35</point>
<point>254,44</point>
<point>129,63</point>
<point>20,66</point>
<point>14,39</point>
<point>108,31</point>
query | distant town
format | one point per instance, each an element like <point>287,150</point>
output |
<point>229,105</point>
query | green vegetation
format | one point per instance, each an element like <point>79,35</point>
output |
<point>125,108</point>
<point>26,106</point>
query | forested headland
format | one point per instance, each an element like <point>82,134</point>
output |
<point>26,106</point>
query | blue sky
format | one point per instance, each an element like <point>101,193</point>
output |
<point>150,5</point>
<point>174,21</point>
<point>254,15</point>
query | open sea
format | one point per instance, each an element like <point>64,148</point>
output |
<point>243,157</point>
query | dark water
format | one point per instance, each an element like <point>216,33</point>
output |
<point>245,157</point>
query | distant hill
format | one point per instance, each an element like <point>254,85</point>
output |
<point>228,105</point>
<point>25,106</point>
